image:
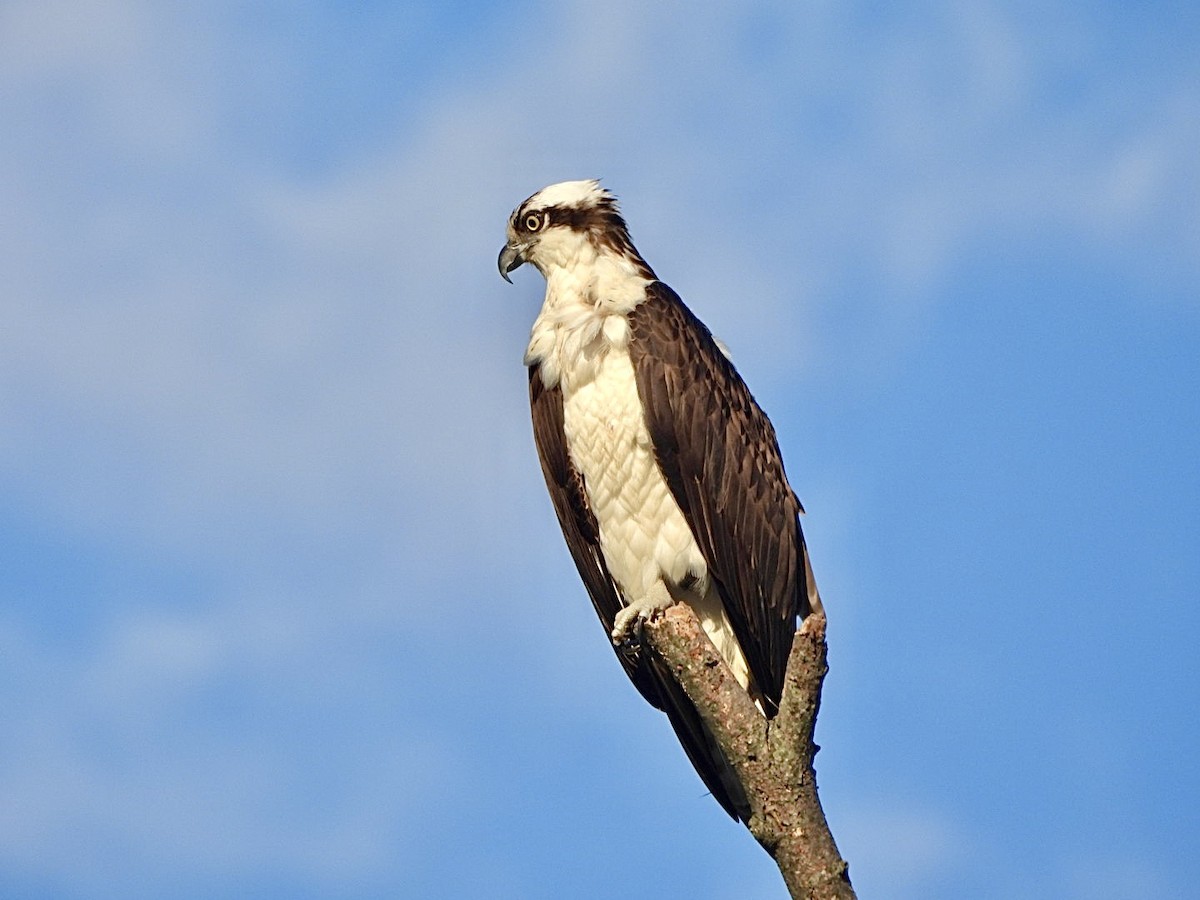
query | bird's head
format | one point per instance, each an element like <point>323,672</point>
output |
<point>567,224</point>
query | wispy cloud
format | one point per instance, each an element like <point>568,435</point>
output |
<point>301,386</point>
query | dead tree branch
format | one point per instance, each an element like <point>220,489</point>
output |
<point>772,758</point>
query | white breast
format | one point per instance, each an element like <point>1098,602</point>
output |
<point>643,534</point>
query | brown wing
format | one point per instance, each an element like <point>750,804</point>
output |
<point>719,455</point>
<point>650,676</point>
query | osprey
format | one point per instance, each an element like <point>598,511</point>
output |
<point>664,472</point>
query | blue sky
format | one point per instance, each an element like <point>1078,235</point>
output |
<point>283,608</point>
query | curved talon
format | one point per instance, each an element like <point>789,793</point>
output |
<point>653,604</point>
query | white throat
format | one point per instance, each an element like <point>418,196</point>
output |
<point>583,315</point>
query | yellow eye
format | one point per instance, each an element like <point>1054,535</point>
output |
<point>533,222</point>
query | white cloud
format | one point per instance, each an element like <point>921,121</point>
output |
<point>208,357</point>
<point>283,337</point>
<point>116,757</point>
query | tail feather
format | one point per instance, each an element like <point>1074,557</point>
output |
<point>701,748</point>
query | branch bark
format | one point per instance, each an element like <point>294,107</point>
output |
<point>772,758</point>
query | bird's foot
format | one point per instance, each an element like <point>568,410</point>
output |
<point>640,610</point>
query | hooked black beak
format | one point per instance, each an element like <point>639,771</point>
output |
<point>510,258</point>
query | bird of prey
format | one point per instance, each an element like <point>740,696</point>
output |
<point>664,472</point>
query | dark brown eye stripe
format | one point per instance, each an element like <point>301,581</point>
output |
<point>602,224</point>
